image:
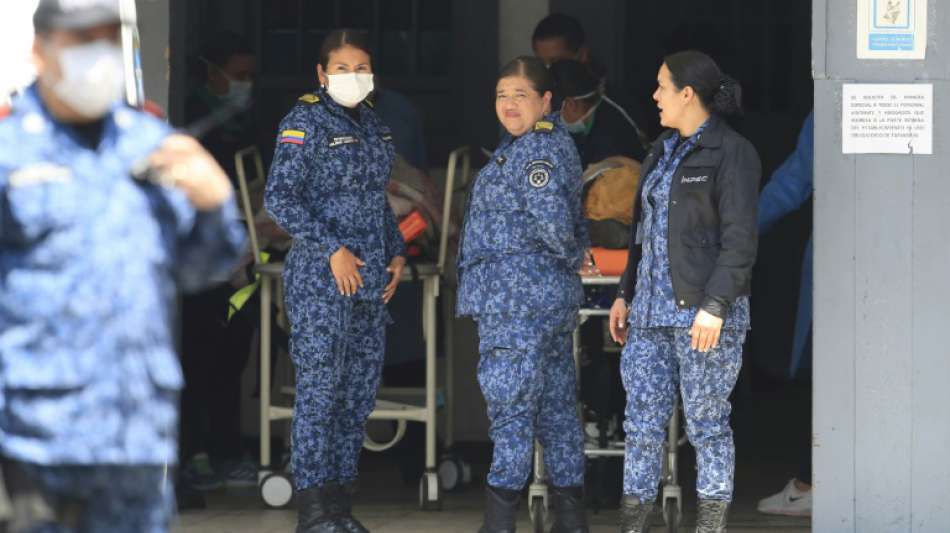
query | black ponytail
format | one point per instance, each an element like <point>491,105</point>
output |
<point>719,93</point>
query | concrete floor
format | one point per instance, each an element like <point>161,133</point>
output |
<point>768,418</point>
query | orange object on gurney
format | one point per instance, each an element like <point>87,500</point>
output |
<point>610,262</point>
<point>412,226</point>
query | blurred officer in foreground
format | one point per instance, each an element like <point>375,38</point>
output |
<point>89,260</point>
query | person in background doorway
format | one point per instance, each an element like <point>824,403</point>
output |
<point>559,36</point>
<point>791,185</point>
<point>104,214</point>
<point>600,128</point>
<point>215,350</point>
<point>397,112</point>
<point>687,283</point>
<point>225,98</point>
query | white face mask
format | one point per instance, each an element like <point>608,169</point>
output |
<point>580,125</point>
<point>349,89</point>
<point>92,78</point>
<point>239,92</point>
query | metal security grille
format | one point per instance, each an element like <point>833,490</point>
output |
<point>412,37</point>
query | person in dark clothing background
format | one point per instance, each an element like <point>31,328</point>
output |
<point>229,65</point>
<point>214,349</point>
<point>599,126</point>
<point>397,112</point>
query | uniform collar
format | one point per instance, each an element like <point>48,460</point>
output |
<point>711,136</point>
<point>338,109</point>
<point>38,120</point>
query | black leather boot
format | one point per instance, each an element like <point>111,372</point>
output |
<point>314,514</point>
<point>711,516</point>
<point>341,506</point>
<point>501,510</point>
<point>635,515</point>
<point>569,514</point>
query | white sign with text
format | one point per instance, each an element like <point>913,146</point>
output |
<point>887,119</point>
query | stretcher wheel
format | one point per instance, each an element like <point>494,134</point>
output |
<point>672,514</point>
<point>430,493</point>
<point>539,514</point>
<point>454,473</point>
<point>277,490</point>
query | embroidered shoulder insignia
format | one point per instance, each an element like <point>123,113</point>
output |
<point>539,173</point>
<point>544,125</point>
<point>309,98</point>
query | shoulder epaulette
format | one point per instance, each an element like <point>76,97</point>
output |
<point>5,111</point>
<point>309,98</point>
<point>544,126</point>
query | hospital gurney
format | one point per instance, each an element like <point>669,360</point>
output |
<point>672,493</point>
<point>276,487</point>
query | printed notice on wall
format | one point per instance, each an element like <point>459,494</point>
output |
<point>887,119</point>
<point>892,29</point>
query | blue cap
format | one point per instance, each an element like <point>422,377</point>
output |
<point>75,14</point>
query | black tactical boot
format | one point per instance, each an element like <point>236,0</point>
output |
<point>501,510</point>
<point>314,513</point>
<point>711,517</point>
<point>635,515</point>
<point>341,506</point>
<point>568,506</point>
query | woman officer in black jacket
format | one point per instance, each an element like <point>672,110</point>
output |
<point>687,287</point>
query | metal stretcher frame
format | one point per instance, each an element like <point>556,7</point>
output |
<point>672,493</point>
<point>387,408</point>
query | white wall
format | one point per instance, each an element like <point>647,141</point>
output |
<point>516,22</point>
<point>16,41</point>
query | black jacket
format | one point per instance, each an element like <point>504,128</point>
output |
<point>712,225</point>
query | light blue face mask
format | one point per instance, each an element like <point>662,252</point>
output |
<point>581,125</point>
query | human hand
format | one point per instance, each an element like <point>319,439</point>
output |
<point>618,321</point>
<point>345,267</point>
<point>395,269</point>
<point>182,162</point>
<point>705,331</point>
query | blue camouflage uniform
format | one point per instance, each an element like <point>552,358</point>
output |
<point>658,356</point>
<point>327,188</point>
<point>523,242</point>
<point>89,260</point>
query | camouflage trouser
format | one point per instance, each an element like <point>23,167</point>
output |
<point>337,345</point>
<point>527,376</point>
<point>655,361</point>
<point>88,499</point>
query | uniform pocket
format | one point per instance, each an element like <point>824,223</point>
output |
<point>701,238</point>
<point>42,203</point>
<point>701,250</point>
<point>36,358</point>
<point>506,377</point>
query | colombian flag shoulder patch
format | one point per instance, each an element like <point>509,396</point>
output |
<point>292,137</point>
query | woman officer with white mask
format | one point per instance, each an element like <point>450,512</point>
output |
<point>327,188</point>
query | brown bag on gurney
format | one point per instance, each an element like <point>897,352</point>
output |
<point>610,187</point>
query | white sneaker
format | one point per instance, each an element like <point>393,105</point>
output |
<point>789,502</point>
